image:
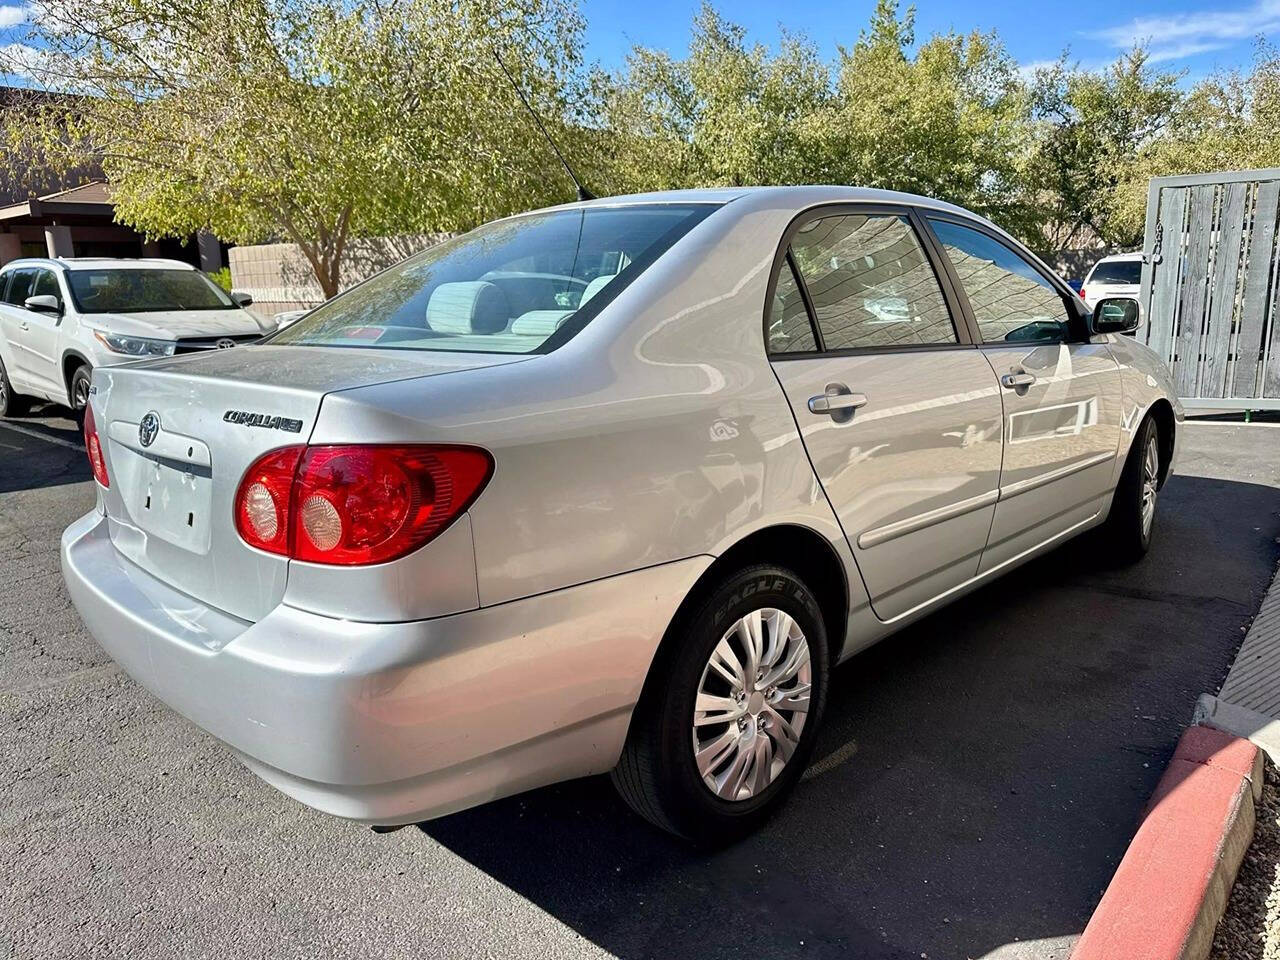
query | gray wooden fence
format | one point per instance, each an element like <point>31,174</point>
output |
<point>1209,286</point>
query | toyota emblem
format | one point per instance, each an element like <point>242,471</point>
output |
<point>148,428</point>
<point>226,343</point>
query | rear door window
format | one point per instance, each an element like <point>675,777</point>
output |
<point>871,283</point>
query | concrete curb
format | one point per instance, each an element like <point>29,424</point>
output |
<point>1171,888</point>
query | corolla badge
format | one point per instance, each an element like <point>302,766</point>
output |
<point>225,343</point>
<point>148,428</point>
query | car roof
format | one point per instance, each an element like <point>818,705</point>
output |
<point>800,196</point>
<point>100,263</point>
<point>1111,258</point>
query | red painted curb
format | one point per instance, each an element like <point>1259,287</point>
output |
<point>1170,889</point>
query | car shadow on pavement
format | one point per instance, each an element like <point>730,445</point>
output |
<point>44,450</point>
<point>977,779</point>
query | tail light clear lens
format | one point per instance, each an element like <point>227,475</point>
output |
<point>356,504</point>
<point>262,502</point>
<point>93,446</point>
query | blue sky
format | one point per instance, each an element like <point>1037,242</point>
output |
<point>1198,36</point>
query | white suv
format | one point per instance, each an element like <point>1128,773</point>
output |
<point>61,318</point>
<point>1119,275</point>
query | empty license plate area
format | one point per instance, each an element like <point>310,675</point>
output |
<point>167,490</point>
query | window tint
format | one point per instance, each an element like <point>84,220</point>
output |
<point>20,287</point>
<point>870,283</point>
<point>1009,297</point>
<point>789,328</point>
<point>1117,271</point>
<point>506,287</point>
<point>45,283</point>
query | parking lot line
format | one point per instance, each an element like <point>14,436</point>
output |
<point>41,436</point>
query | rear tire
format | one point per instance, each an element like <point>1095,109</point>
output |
<point>1129,528</point>
<point>748,762</point>
<point>11,404</point>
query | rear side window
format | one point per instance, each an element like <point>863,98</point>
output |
<point>506,287</point>
<point>870,283</point>
<point>789,328</point>
<point>1117,271</point>
<point>20,287</point>
<point>1010,299</point>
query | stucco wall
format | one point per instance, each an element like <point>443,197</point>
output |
<point>278,276</point>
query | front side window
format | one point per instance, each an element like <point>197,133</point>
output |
<point>20,287</point>
<point>506,287</point>
<point>46,284</point>
<point>144,291</point>
<point>870,283</point>
<point>789,328</point>
<point>1010,299</point>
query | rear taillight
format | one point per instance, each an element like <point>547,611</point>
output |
<point>1082,293</point>
<point>356,504</point>
<point>93,446</point>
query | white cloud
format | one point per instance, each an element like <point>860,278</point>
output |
<point>11,16</point>
<point>1179,35</point>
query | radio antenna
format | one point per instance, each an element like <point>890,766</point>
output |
<point>583,192</point>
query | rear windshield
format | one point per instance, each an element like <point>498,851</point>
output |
<point>144,291</point>
<point>506,287</point>
<point>1117,271</point>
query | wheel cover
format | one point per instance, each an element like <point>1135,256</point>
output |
<point>1150,485</point>
<point>752,703</point>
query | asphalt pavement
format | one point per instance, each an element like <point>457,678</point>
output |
<point>978,777</point>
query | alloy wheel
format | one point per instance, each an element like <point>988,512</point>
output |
<point>752,703</point>
<point>1150,483</point>
<point>80,399</point>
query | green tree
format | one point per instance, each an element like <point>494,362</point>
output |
<point>1096,132</point>
<point>302,119</point>
<point>950,119</point>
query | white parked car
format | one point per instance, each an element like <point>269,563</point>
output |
<point>609,487</point>
<point>60,318</point>
<point>1115,276</point>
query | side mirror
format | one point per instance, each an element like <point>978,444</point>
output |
<point>44,303</point>
<point>241,299</point>
<point>1116,315</point>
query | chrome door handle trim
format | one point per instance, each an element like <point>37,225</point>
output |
<point>833,403</point>
<point>1013,381</point>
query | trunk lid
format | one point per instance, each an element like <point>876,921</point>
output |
<point>174,475</point>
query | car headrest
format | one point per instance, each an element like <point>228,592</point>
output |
<point>594,287</point>
<point>540,322</point>
<point>472,306</point>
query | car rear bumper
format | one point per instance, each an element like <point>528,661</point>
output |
<point>395,722</point>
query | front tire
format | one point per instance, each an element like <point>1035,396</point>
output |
<point>1130,525</point>
<point>727,720</point>
<point>78,388</point>
<point>11,404</point>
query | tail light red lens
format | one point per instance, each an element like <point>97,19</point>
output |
<point>356,504</point>
<point>1082,293</point>
<point>93,446</point>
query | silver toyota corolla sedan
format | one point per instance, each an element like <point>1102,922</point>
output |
<point>609,487</point>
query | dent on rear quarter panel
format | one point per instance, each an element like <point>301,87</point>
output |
<point>658,433</point>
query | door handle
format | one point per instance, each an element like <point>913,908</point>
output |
<point>837,402</point>
<point>23,326</point>
<point>1016,381</point>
